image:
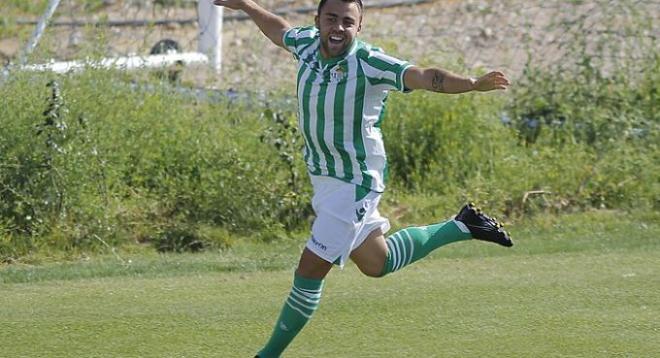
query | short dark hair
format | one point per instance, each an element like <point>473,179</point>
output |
<point>322,3</point>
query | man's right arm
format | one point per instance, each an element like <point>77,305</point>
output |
<point>270,24</point>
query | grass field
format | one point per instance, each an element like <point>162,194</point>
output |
<point>584,285</point>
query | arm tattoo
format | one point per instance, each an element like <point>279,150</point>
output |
<point>438,82</point>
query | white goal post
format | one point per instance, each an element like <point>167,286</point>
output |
<point>209,49</point>
<point>210,32</point>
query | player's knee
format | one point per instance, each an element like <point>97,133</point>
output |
<point>372,271</point>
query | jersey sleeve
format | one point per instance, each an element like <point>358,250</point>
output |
<point>297,39</point>
<point>382,69</point>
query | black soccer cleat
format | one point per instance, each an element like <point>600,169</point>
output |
<point>482,226</point>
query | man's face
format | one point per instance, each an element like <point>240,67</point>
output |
<point>339,23</point>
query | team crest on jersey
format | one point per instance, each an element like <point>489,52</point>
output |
<point>338,73</point>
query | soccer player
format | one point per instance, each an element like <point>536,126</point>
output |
<point>342,87</point>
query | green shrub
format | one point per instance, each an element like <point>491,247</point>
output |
<point>95,160</point>
<point>435,140</point>
<point>586,105</point>
<point>92,160</point>
<point>466,148</point>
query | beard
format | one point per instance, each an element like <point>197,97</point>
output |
<point>335,49</point>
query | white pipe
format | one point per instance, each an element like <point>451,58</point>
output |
<point>128,62</point>
<point>210,32</point>
<point>39,30</point>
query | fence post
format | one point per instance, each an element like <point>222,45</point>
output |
<point>210,32</point>
<point>39,30</point>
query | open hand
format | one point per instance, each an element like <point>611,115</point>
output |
<point>491,81</point>
<point>231,4</point>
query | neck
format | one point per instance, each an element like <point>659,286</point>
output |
<point>326,55</point>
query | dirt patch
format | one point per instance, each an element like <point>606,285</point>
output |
<point>8,49</point>
<point>465,36</point>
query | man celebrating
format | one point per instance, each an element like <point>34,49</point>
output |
<point>343,84</point>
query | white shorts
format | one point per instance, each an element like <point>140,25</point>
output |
<point>344,218</point>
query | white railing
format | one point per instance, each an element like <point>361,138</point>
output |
<point>209,47</point>
<point>126,62</point>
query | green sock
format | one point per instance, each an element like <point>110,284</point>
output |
<point>409,245</point>
<point>298,308</point>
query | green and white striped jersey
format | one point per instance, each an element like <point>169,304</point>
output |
<point>341,103</point>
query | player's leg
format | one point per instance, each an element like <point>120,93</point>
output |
<point>329,243</point>
<point>378,256</point>
<point>414,243</point>
<point>311,266</point>
<point>301,303</point>
<point>371,255</point>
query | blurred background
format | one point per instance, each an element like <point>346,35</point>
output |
<point>184,157</point>
<point>466,35</point>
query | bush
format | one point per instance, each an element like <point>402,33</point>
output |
<point>587,106</point>
<point>93,160</point>
<point>593,143</point>
<point>89,157</point>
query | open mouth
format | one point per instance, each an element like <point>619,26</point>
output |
<point>336,40</point>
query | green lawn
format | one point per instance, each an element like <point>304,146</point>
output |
<point>585,285</point>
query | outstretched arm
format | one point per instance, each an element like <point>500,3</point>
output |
<point>270,24</point>
<point>439,80</point>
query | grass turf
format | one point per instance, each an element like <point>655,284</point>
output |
<point>581,286</point>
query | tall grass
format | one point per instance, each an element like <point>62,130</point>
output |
<point>94,160</point>
<point>87,160</point>
<point>470,148</point>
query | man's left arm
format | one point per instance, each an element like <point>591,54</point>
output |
<point>443,81</point>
